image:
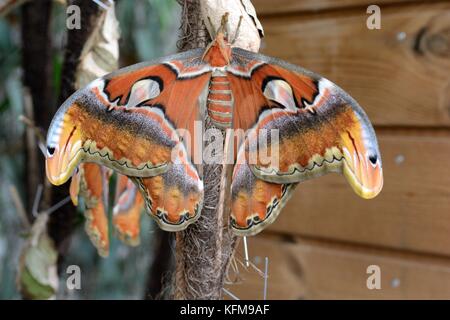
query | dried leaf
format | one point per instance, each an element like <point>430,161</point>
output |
<point>100,54</point>
<point>7,6</point>
<point>250,30</point>
<point>250,9</point>
<point>37,275</point>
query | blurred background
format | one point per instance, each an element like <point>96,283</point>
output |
<point>148,29</point>
<point>324,241</point>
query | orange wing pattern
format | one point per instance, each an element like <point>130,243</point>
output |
<point>127,211</point>
<point>129,121</point>
<point>319,129</point>
<point>91,184</point>
<point>255,203</point>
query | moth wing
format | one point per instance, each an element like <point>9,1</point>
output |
<point>255,203</point>
<point>174,198</point>
<point>127,211</point>
<point>130,120</point>
<point>92,181</point>
<point>317,128</point>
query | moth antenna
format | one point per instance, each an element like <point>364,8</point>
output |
<point>212,28</point>
<point>224,25</point>
<point>236,34</point>
<point>227,30</point>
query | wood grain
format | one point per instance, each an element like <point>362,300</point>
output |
<point>399,74</point>
<point>248,282</point>
<point>412,211</point>
<point>304,269</point>
<point>265,7</point>
<point>326,237</point>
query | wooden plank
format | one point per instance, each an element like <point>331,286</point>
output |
<point>283,282</point>
<point>264,7</point>
<point>399,74</point>
<point>317,270</point>
<point>412,212</point>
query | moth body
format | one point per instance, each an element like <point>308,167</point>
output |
<point>132,121</point>
<point>220,99</point>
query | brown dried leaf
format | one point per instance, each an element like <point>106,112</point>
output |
<point>37,275</point>
<point>250,31</point>
<point>100,54</point>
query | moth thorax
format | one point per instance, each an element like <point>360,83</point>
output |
<point>220,100</point>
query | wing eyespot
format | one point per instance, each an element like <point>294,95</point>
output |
<point>50,151</point>
<point>143,91</point>
<point>279,91</point>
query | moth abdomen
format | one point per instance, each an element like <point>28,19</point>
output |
<point>220,100</point>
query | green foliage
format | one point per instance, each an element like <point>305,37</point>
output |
<point>149,27</point>
<point>34,289</point>
<point>9,51</point>
<point>11,157</point>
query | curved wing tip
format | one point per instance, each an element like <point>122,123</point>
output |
<point>367,191</point>
<point>370,193</point>
<point>58,180</point>
<point>174,227</point>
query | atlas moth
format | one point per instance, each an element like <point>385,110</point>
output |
<point>128,121</point>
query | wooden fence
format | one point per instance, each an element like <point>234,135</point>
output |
<point>326,237</point>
